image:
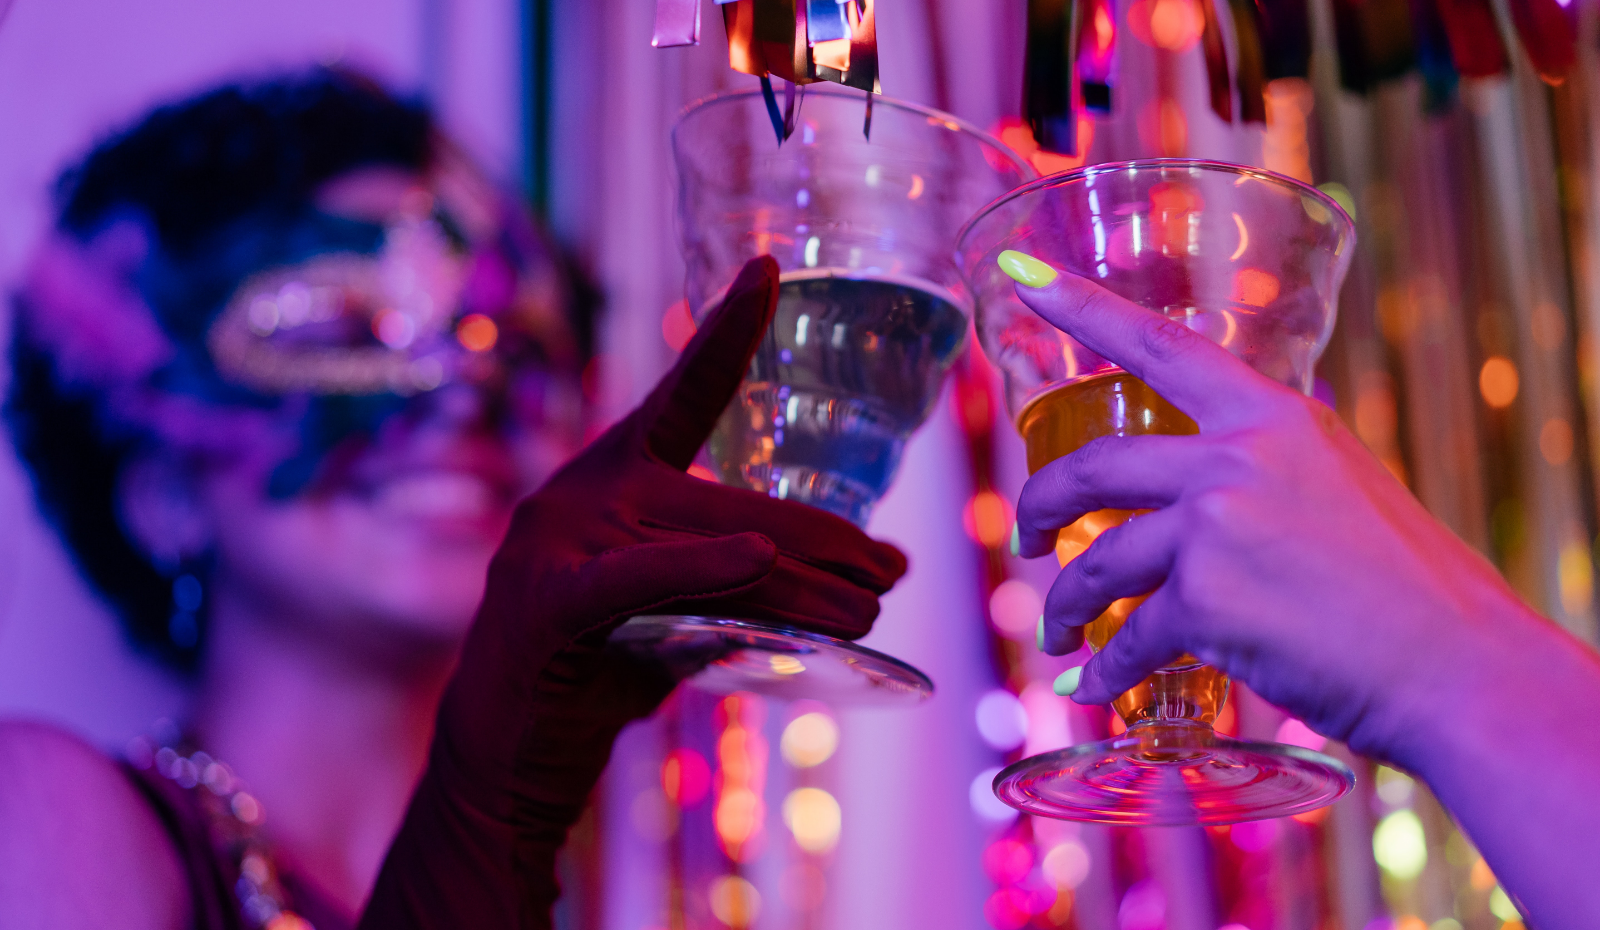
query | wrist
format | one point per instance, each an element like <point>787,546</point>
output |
<point>1508,676</point>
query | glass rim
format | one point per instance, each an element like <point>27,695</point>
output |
<point>830,89</point>
<point>1347,229</point>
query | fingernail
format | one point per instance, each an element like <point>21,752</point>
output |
<point>1016,539</point>
<point>1067,681</point>
<point>1025,269</point>
<point>1039,633</point>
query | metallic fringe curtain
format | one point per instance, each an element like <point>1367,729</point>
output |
<point>1465,357</point>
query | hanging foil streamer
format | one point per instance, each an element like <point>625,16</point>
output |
<point>1285,38</point>
<point>677,23</point>
<point>1434,58</point>
<point>1374,41</point>
<point>1474,36</point>
<point>1251,73</point>
<point>1547,33</point>
<point>1216,55</point>
<point>1047,84</point>
<point>803,41</point>
<point>744,55</point>
<point>863,71</point>
<point>1097,54</point>
<point>780,31</point>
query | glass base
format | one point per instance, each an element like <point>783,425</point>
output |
<point>723,655</point>
<point>1173,774</point>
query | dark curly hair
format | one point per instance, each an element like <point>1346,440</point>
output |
<point>198,174</point>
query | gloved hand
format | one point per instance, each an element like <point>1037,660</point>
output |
<point>528,720</point>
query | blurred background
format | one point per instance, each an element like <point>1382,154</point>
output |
<point>1464,358</point>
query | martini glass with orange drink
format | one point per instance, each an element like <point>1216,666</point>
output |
<point>1252,260</point>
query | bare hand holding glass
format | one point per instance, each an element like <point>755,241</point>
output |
<point>1279,551</point>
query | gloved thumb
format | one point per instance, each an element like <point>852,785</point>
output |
<point>639,579</point>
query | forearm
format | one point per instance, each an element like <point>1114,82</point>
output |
<point>451,865</point>
<point>1514,754</point>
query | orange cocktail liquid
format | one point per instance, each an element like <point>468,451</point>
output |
<point>1054,424</point>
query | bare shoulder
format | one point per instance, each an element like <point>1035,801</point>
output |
<point>79,847</point>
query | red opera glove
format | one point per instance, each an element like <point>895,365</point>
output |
<point>528,720</point>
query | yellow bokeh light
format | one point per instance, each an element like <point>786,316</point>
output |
<point>809,739</point>
<point>813,816</point>
<point>738,816</point>
<point>1498,382</point>
<point>1500,905</point>
<point>734,901</point>
<point>785,664</point>
<point>1400,846</point>
<point>1575,575</point>
<point>1066,866</point>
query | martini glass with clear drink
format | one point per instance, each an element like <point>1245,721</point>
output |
<point>861,214</point>
<point>1251,259</point>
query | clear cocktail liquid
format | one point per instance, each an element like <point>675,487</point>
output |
<point>849,369</point>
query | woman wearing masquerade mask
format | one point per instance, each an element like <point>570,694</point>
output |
<point>281,375</point>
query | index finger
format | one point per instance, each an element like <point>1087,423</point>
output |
<point>1190,371</point>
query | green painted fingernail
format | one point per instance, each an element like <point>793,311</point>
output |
<point>1025,269</point>
<point>1067,681</point>
<point>1016,539</point>
<point>1039,634</point>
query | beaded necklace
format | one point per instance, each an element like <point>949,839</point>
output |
<point>234,817</point>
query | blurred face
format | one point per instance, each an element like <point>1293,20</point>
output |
<point>389,538</point>
<point>393,536</point>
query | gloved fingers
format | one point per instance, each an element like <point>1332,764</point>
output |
<point>680,413</point>
<point>799,595</point>
<point>806,533</point>
<point>636,579</point>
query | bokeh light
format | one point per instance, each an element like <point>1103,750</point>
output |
<point>1296,733</point>
<point>1400,846</point>
<point>1394,789</point>
<point>987,519</point>
<point>477,333</point>
<point>1575,577</point>
<point>685,777</point>
<point>677,325</point>
<point>1500,905</point>
<point>813,816</point>
<point>1008,909</point>
<point>1254,836</point>
<point>1007,861</point>
<point>1498,382</point>
<point>739,814</point>
<point>809,740</point>
<point>1144,907</point>
<point>1254,287</point>
<point>1173,25</point>
<point>1015,607</point>
<point>1066,865</point>
<point>1555,441</point>
<point>1002,720</point>
<point>734,901</point>
<point>393,328</point>
<point>989,808</point>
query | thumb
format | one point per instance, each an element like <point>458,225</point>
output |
<point>681,412</point>
<point>638,579</point>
